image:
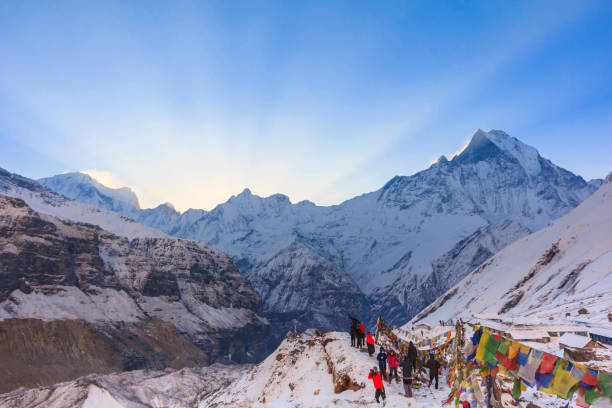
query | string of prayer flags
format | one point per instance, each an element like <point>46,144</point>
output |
<point>534,368</point>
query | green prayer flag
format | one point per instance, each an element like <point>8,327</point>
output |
<point>605,383</point>
<point>489,357</point>
<point>503,347</point>
<point>492,344</point>
<point>516,389</point>
<point>590,396</point>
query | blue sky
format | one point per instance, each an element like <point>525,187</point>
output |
<point>190,102</point>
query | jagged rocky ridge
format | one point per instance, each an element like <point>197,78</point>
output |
<point>401,239</point>
<point>76,299</point>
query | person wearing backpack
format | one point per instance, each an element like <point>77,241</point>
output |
<point>412,354</point>
<point>354,328</point>
<point>407,376</point>
<point>434,367</point>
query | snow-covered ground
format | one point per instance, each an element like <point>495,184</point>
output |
<point>308,369</point>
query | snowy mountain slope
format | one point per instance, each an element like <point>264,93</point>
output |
<point>86,300</point>
<point>44,200</point>
<point>549,274</point>
<point>388,241</point>
<point>451,267</point>
<point>84,188</point>
<point>300,289</point>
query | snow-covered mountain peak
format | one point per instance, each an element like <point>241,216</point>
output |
<point>245,193</point>
<point>168,206</point>
<point>478,148</point>
<point>526,155</point>
<point>249,203</point>
<point>485,145</point>
<point>441,159</point>
<point>84,188</point>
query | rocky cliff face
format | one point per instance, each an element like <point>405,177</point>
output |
<point>300,289</point>
<point>390,241</point>
<point>97,302</point>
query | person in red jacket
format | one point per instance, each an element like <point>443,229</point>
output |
<point>370,342</point>
<point>378,385</point>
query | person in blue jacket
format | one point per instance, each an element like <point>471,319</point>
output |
<point>382,362</point>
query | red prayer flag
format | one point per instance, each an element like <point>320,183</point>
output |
<point>548,363</point>
<point>589,379</point>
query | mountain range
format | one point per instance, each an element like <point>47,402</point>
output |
<point>77,299</point>
<point>392,251</point>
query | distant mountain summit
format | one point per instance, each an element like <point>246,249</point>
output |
<point>82,187</point>
<point>416,234</point>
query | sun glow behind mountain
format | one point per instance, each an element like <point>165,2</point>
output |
<point>103,177</point>
<point>320,102</point>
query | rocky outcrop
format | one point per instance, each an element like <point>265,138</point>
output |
<point>144,303</point>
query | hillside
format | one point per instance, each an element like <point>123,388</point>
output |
<point>76,299</point>
<point>551,274</point>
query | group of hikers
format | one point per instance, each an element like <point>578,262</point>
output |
<point>406,361</point>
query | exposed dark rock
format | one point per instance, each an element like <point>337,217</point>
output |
<point>183,303</point>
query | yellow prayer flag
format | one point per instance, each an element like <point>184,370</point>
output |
<point>481,346</point>
<point>563,380</point>
<point>513,350</point>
